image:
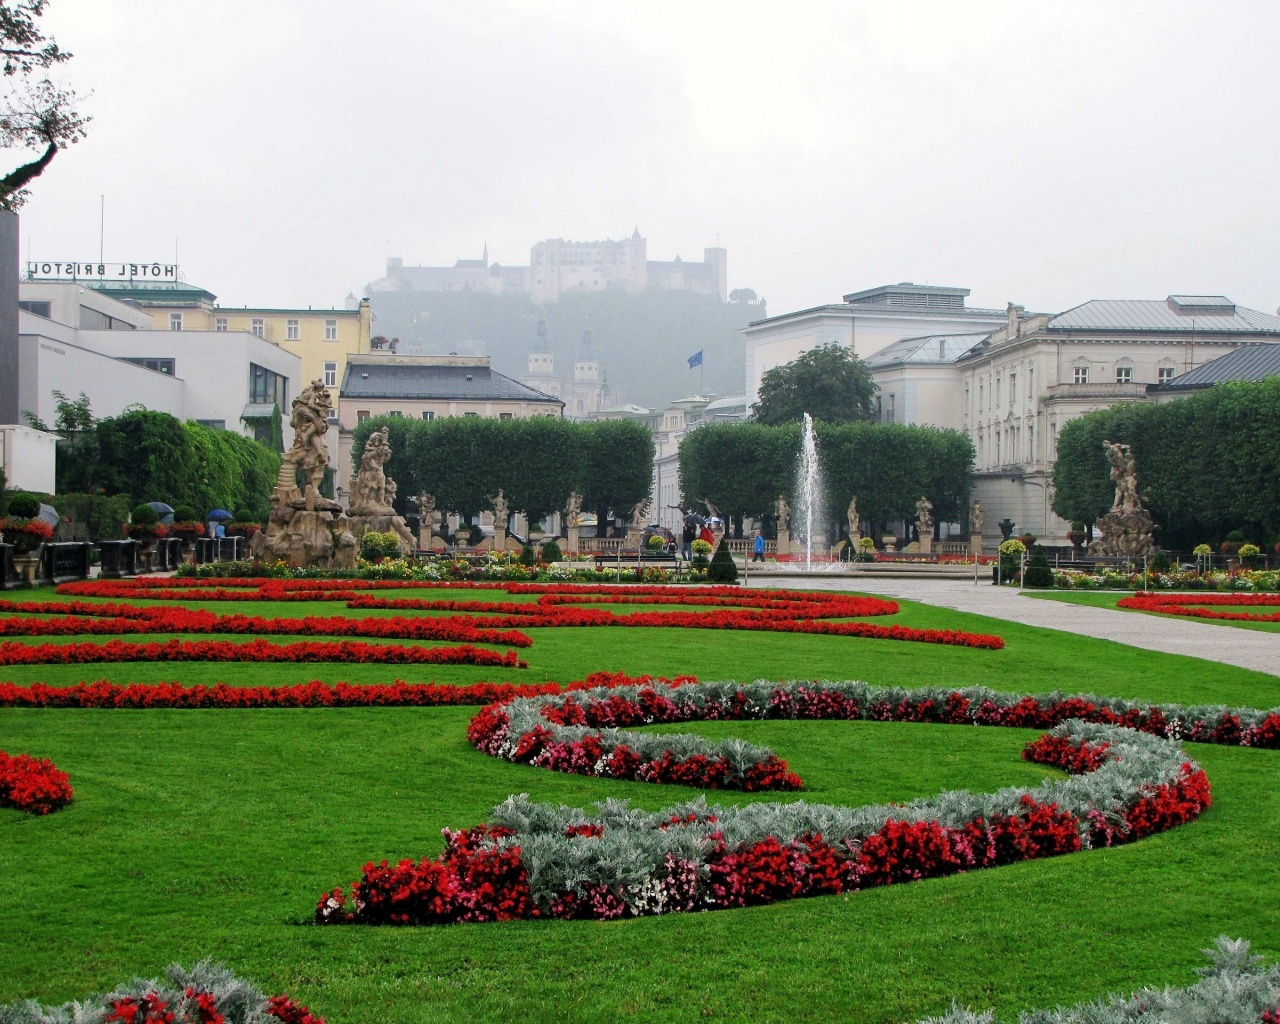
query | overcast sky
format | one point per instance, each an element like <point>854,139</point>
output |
<point>1044,153</point>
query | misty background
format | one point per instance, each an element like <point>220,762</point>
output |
<point>1042,154</point>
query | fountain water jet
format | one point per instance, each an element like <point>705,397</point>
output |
<point>808,490</point>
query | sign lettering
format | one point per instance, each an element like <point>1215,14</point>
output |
<point>40,270</point>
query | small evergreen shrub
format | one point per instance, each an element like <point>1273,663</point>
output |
<point>723,568</point>
<point>1161,562</point>
<point>24,506</point>
<point>527,555</point>
<point>1038,573</point>
<point>143,515</point>
<point>551,552</point>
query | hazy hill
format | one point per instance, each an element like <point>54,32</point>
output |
<point>643,341</point>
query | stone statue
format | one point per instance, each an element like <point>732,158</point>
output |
<point>640,514</point>
<point>781,510</point>
<point>500,512</point>
<point>572,509</point>
<point>309,417</point>
<point>389,492</point>
<point>855,524</point>
<point>1127,528</point>
<point>924,516</point>
<point>369,488</point>
<point>712,511</point>
<point>1124,473</point>
<point>975,518</point>
<point>426,517</point>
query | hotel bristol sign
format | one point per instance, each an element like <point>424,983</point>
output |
<point>41,271</point>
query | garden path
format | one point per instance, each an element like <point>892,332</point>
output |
<point>1245,648</point>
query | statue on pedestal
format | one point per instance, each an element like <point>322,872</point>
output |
<point>572,512</point>
<point>369,488</point>
<point>781,510</point>
<point>975,518</point>
<point>924,516</point>
<point>428,520</point>
<point>1127,527</point>
<point>501,520</point>
<point>855,524</point>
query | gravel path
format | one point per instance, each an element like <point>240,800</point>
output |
<point>1246,648</point>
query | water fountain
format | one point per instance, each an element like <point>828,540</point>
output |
<point>808,491</point>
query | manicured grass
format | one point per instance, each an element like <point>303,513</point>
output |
<point>201,833</point>
<point>1109,598</point>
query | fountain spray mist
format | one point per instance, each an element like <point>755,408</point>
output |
<point>809,490</point>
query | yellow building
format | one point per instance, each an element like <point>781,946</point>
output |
<point>322,338</point>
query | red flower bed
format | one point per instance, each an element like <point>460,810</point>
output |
<point>105,694</point>
<point>196,1008</point>
<point>32,784</point>
<point>1189,605</point>
<point>12,653</point>
<point>730,608</point>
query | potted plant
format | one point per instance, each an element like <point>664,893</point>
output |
<point>186,526</point>
<point>1248,555</point>
<point>1077,535</point>
<point>243,524</point>
<point>701,549</point>
<point>25,532</point>
<point>1010,565</point>
<point>144,526</point>
<point>1235,540</point>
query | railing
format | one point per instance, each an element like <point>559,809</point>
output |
<point>593,545</point>
<point>167,554</point>
<point>952,547</point>
<point>65,561</point>
<point>747,546</point>
<point>119,558</point>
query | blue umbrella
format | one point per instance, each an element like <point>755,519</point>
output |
<point>220,514</point>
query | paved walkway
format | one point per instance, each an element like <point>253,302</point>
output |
<point>1247,648</point>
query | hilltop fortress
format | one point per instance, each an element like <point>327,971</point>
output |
<point>558,267</point>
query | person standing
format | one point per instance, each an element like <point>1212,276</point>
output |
<point>687,537</point>
<point>757,550</point>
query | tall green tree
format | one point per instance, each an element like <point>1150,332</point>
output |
<point>829,382</point>
<point>616,469</point>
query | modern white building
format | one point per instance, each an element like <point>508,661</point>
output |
<point>865,322</point>
<point>73,339</point>
<point>28,458</point>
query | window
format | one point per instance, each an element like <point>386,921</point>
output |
<point>1164,374</point>
<point>1013,388</point>
<point>362,414</point>
<point>504,415</point>
<point>470,414</point>
<point>331,375</point>
<point>395,412</point>
<point>1124,374</point>
<point>213,424</point>
<point>159,365</point>
<point>888,413</point>
<point>427,414</point>
<point>1031,443</point>
<point>220,323</point>
<point>981,397</point>
<point>1082,375</point>
<point>95,320</point>
<point>291,330</point>
<point>258,327</point>
<point>267,387</point>
<point>333,414</point>
<point>331,330</point>
<point>44,309</point>
<point>175,321</point>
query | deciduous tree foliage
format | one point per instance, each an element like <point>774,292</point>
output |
<point>537,462</point>
<point>830,383</point>
<point>743,467</point>
<point>1207,464</point>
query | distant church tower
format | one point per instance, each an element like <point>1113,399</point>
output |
<point>542,363</point>
<point>585,393</point>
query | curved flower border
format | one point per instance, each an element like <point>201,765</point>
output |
<point>1186,604</point>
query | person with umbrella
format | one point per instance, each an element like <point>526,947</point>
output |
<point>689,534</point>
<point>218,517</point>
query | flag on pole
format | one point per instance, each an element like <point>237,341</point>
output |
<point>695,359</point>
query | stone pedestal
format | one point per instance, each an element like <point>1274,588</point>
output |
<point>572,540</point>
<point>890,543</point>
<point>499,538</point>
<point>28,567</point>
<point>784,541</point>
<point>975,544</point>
<point>1126,535</point>
<point>632,542</point>
<point>926,544</point>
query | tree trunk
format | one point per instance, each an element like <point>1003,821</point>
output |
<point>16,180</point>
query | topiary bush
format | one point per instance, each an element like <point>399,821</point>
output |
<point>551,552</point>
<point>1038,573</point>
<point>144,515</point>
<point>723,568</point>
<point>527,555</point>
<point>23,505</point>
<point>185,514</point>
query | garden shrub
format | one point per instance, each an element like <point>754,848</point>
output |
<point>1038,573</point>
<point>1011,552</point>
<point>551,552</point>
<point>144,515</point>
<point>1161,563</point>
<point>23,505</point>
<point>527,555</point>
<point>723,568</point>
<point>185,514</point>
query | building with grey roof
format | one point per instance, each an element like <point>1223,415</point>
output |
<point>865,322</point>
<point>1246,363</point>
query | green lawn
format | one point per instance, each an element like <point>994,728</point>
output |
<point>212,833</point>
<point>1108,599</point>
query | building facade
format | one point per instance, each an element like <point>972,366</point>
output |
<point>229,380</point>
<point>1022,383</point>
<point>865,322</point>
<point>559,267</point>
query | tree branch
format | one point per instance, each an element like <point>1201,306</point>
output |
<point>17,179</point>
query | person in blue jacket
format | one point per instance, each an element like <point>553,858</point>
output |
<point>758,550</point>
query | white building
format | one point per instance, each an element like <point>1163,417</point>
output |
<point>73,339</point>
<point>866,322</point>
<point>28,458</point>
<point>1012,390</point>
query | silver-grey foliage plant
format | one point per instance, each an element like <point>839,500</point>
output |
<point>1237,988</point>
